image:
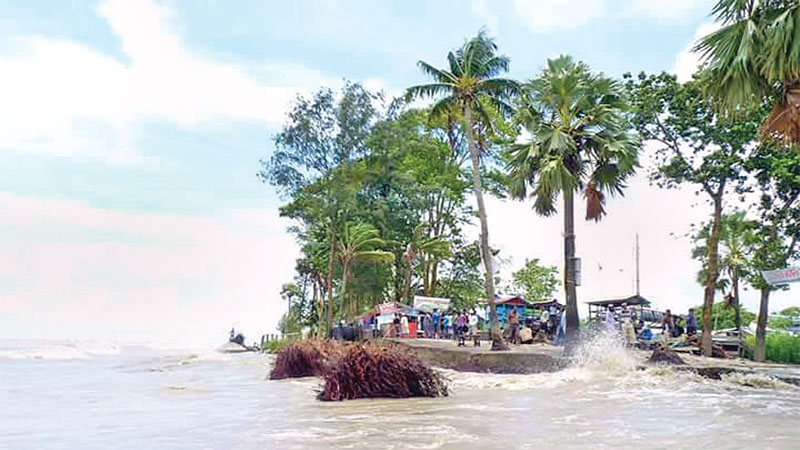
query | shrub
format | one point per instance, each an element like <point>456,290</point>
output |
<point>274,346</point>
<point>370,370</point>
<point>780,347</point>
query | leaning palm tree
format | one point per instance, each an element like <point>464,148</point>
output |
<point>755,54</point>
<point>580,142</point>
<point>358,243</point>
<point>469,86</point>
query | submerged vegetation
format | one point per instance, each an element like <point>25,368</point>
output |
<point>381,192</point>
<point>370,370</point>
<point>359,370</point>
<point>304,359</point>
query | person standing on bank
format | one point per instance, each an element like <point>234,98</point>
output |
<point>513,324</point>
<point>691,323</point>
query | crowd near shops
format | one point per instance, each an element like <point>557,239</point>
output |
<point>520,322</point>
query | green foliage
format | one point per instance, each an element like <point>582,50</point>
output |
<point>536,282</point>
<point>756,49</point>
<point>736,238</point>
<point>723,316</point>
<point>694,144</point>
<point>791,311</point>
<point>275,345</point>
<point>780,347</point>
<point>580,138</point>
<point>780,322</point>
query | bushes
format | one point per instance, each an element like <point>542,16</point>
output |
<point>274,346</point>
<point>363,370</point>
<point>780,347</point>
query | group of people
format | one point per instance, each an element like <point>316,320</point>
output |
<point>548,325</point>
<point>448,324</point>
<point>624,321</point>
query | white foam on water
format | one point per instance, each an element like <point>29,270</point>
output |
<point>58,350</point>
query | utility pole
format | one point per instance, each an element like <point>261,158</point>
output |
<point>637,264</point>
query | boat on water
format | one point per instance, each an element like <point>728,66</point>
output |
<point>235,344</point>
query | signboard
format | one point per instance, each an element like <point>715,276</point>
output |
<point>428,304</point>
<point>387,308</point>
<point>781,276</point>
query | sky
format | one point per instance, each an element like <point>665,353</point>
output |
<point>132,133</point>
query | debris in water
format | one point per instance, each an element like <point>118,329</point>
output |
<point>304,359</point>
<point>372,370</point>
<point>663,355</point>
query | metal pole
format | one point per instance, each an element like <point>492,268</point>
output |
<point>637,264</point>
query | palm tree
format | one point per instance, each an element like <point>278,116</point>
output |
<point>469,86</point>
<point>736,234</point>
<point>580,141</point>
<point>433,248</point>
<point>358,244</point>
<point>755,54</point>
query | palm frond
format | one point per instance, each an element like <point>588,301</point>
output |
<point>440,76</point>
<point>431,90</point>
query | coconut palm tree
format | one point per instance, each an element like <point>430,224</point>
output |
<point>470,85</point>
<point>580,142</point>
<point>358,243</point>
<point>755,54</point>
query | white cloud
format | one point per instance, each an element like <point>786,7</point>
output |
<point>544,16</point>
<point>64,98</point>
<point>660,9</point>
<point>72,270</point>
<point>687,61</point>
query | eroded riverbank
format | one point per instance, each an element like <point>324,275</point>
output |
<point>539,358</point>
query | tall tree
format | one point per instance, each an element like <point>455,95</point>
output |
<point>321,134</point>
<point>469,85</point>
<point>696,146</point>
<point>755,56</point>
<point>777,170</point>
<point>359,243</point>
<point>580,142</point>
<point>735,236</point>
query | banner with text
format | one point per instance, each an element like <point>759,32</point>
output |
<point>781,276</point>
<point>428,304</point>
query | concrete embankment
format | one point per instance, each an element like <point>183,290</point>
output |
<point>538,358</point>
<point>520,360</point>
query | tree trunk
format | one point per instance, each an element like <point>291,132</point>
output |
<point>573,321</point>
<point>407,284</point>
<point>434,277</point>
<point>343,292</point>
<point>761,326</point>
<point>711,278</point>
<point>317,300</point>
<point>737,309</point>
<point>329,280</point>
<point>486,254</point>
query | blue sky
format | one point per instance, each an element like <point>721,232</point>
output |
<point>132,133</point>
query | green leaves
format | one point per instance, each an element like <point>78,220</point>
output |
<point>579,137</point>
<point>535,282</point>
<point>756,51</point>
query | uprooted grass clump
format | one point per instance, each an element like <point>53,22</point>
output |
<point>369,370</point>
<point>304,359</point>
